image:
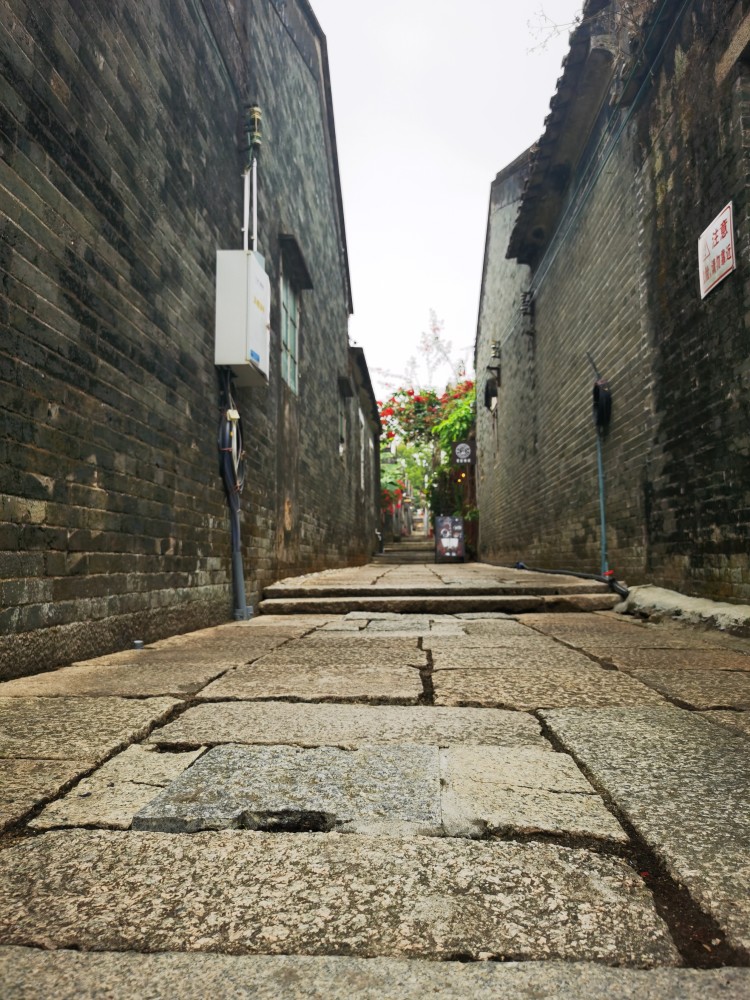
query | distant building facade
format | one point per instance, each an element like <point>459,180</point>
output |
<point>122,147</point>
<point>592,261</point>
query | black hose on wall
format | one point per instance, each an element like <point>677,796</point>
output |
<point>232,469</point>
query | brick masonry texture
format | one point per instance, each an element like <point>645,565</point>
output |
<point>619,279</point>
<point>120,177</point>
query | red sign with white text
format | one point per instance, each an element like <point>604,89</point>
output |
<point>716,251</point>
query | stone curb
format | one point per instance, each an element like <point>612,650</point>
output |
<point>657,602</point>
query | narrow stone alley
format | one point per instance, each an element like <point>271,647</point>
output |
<point>400,780</point>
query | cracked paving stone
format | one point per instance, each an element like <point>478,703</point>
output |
<point>699,689</point>
<point>683,783</point>
<point>26,783</point>
<point>316,681</point>
<point>392,791</point>
<point>76,728</point>
<point>541,687</point>
<point>116,791</point>
<point>347,726</point>
<point>276,893</point>
<point>28,974</point>
<point>522,790</point>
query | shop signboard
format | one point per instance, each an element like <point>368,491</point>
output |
<point>449,539</point>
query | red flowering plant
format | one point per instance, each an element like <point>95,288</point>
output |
<point>410,414</point>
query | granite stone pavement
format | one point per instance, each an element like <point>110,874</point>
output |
<point>379,804</point>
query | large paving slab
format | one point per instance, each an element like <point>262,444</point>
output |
<point>26,783</point>
<point>150,677</point>
<point>338,650</point>
<point>257,893</point>
<point>28,974</point>
<point>686,659</point>
<point>373,790</point>
<point>684,784</point>
<point>346,726</point>
<point>87,729</point>
<point>534,655</point>
<point>491,790</point>
<point>701,689</point>
<point>526,690</point>
<point>116,791</point>
<point>329,680</point>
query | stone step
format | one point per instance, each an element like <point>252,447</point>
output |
<point>431,602</point>
<point>409,556</point>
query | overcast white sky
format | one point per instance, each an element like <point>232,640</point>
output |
<point>431,99</point>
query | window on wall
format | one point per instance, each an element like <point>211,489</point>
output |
<point>342,425</point>
<point>362,446</point>
<point>290,314</point>
<point>295,277</point>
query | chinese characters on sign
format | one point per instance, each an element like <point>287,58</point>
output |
<point>716,251</point>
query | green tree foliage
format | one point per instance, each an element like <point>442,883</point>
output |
<point>421,427</point>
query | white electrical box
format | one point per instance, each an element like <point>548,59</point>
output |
<point>243,315</point>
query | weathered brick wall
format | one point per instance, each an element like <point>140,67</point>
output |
<point>620,281</point>
<point>695,138</point>
<point>586,299</point>
<point>120,177</point>
<point>506,435</point>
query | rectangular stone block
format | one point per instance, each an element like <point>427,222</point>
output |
<point>263,893</point>
<point>326,681</point>
<point>28,973</point>
<point>87,729</point>
<point>697,688</point>
<point>658,659</point>
<point>150,677</point>
<point>347,649</point>
<point>392,791</point>
<point>534,655</point>
<point>526,690</point>
<point>491,790</point>
<point>347,726</point>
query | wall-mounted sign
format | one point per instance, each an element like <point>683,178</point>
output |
<point>463,453</point>
<point>716,251</point>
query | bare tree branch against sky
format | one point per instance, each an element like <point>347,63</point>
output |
<point>432,98</point>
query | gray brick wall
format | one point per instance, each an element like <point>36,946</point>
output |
<point>620,280</point>
<point>119,179</point>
